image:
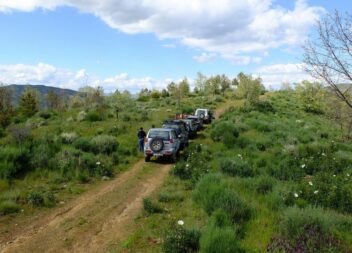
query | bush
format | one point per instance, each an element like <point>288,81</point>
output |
<point>83,143</point>
<point>236,167</point>
<point>216,239</point>
<point>45,115</point>
<point>105,144</point>
<point>170,197</point>
<point>225,131</point>
<point>13,161</point>
<point>81,116</point>
<point>2,132</point>
<point>151,207</point>
<point>93,116</point>
<point>8,207</point>
<point>181,240</point>
<point>309,230</point>
<point>195,166</point>
<point>35,199</point>
<point>212,193</point>
<point>68,138</point>
<point>264,185</point>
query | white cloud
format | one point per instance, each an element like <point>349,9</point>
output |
<point>168,45</point>
<point>226,27</point>
<point>46,74</point>
<point>275,75</point>
<point>204,57</point>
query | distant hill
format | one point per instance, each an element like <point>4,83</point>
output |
<point>42,90</point>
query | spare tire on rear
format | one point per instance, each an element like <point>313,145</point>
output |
<point>156,145</point>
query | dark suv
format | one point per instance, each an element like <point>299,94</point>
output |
<point>180,129</point>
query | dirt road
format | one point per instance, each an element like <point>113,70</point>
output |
<point>95,219</point>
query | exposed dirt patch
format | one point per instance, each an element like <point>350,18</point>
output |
<point>93,220</point>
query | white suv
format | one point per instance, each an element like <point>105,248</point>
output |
<point>204,114</point>
<point>161,142</point>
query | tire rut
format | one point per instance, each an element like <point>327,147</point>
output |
<point>92,221</point>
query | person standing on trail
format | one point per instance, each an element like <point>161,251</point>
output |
<point>141,135</point>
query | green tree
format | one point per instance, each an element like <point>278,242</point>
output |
<point>249,88</point>
<point>312,96</point>
<point>200,83</point>
<point>212,85</point>
<point>225,84</point>
<point>6,109</point>
<point>53,100</point>
<point>28,105</point>
<point>184,87</point>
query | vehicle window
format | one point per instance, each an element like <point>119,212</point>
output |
<point>159,134</point>
<point>173,134</point>
<point>176,127</point>
<point>199,112</point>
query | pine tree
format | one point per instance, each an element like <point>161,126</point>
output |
<point>28,105</point>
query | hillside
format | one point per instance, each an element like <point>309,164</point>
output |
<point>18,89</point>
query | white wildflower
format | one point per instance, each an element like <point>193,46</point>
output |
<point>323,154</point>
<point>310,183</point>
<point>98,163</point>
<point>334,175</point>
<point>303,166</point>
<point>187,165</point>
<point>348,174</point>
<point>316,192</point>
<point>180,222</point>
<point>296,195</point>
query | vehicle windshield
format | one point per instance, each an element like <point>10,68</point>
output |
<point>199,112</point>
<point>176,127</point>
<point>159,134</point>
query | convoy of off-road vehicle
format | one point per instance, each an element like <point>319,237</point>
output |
<point>174,135</point>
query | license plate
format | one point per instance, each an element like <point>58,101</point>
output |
<point>158,155</point>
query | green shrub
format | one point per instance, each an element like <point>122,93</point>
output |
<point>35,199</point>
<point>104,167</point>
<point>212,193</point>
<point>93,116</point>
<point>68,138</point>
<point>105,144</point>
<point>181,240</point>
<point>216,239</point>
<point>151,207</point>
<point>195,165</point>
<point>2,132</point>
<point>309,230</point>
<point>13,161</point>
<point>83,143</point>
<point>264,185</point>
<point>236,167</point>
<point>170,197</point>
<point>9,207</point>
<point>45,115</point>
<point>225,131</point>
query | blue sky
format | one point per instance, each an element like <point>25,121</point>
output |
<point>143,43</point>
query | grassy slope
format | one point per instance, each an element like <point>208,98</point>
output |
<point>145,114</point>
<point>289,128</point>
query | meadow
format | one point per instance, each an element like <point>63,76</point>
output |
<point>56,154</point>
<point>269,177</point>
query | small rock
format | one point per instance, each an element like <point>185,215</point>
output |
<point>105,178</point>
<point>62,202</point>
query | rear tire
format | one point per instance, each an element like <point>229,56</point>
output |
<point>147,159</point>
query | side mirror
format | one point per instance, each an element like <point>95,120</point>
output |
<point>179,136</point>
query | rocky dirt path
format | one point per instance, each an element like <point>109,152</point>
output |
<point>93,220</point>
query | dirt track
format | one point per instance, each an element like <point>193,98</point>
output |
<point>93,220</point>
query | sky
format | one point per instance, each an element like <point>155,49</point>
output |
<point>134,44</point>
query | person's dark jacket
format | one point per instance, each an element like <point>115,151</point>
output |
<point>141,134</point>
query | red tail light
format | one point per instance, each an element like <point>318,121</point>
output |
<point>171,141</point>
